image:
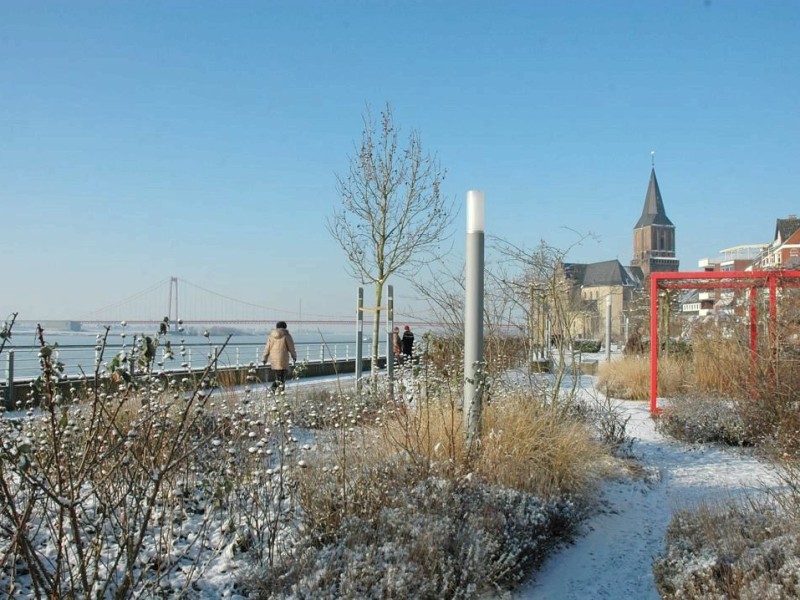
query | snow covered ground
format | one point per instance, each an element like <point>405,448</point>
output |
<point>613,559</point>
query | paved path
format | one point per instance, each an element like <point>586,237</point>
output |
<point>613,559</point>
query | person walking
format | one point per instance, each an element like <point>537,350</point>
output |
<point>407,343</point>
<point>278,349</point>
<point>396,344</point>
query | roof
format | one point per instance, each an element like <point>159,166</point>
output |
<point>609,272</point>
<point>636,273</point>
<point>785,228</point>
<point>653,212</point>
<point>574,271</point>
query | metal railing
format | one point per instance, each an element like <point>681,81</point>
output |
<point>23,363</point>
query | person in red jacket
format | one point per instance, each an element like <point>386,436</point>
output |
<point>396,344</point>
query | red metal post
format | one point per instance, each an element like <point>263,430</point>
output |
<point>753,340</point>
<point>653,343</point>
<point>773,310</point>
<point>772,327</point>
<point>753,327</point>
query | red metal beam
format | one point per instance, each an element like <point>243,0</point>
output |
<point>754,275</point>
<point>720,284</point>
<point>752,280</point>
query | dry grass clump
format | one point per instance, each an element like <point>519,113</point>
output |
<point>721,364</point>
<point>629,377</point>
<point>536,448</point>
<point>231,377</point>
<point>525,444</point>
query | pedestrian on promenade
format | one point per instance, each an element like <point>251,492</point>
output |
<point>396,344</point>
<point>407,343</point>
<point>279,347</point>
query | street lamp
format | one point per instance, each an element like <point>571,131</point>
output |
<point>473,316</point>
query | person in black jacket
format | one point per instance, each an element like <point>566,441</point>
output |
<point>407,342</point>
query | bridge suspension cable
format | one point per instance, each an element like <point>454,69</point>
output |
<point>231,299</point>
<point>99,313</point>
<point>197,303</point>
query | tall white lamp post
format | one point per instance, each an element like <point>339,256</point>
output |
<point>473,317</point>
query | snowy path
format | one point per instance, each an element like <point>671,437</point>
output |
<point>612,560</point>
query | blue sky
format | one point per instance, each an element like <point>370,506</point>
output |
<point>143,140</point>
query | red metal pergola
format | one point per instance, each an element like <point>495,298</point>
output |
<point>717,280</point>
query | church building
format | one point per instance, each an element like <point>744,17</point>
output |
<point>592,285</point>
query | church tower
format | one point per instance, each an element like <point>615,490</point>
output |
<point>654,234</point>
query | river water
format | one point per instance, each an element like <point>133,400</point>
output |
<point>79,351</point>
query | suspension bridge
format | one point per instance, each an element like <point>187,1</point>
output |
<point>199,315</point>
<point>191,304</point>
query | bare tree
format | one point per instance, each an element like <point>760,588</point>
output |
<point>393,215</point>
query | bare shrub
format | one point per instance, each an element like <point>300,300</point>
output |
<point>133,485</point>
<point>606,418</point>
<point>738,398</point>
<point>730,551</point>
<point>739,550</point>
<point>751,394</point>
<point>431,538</point>
<point>699,419</point>
<point>771,407</point>
<point>83,482</point>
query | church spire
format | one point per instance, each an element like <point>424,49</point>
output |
<point>654,234</point>
<point>653,212</point>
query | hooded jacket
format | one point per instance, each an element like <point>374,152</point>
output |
<point>279,347</point>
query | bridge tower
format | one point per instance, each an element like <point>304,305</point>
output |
<point>173,286</point>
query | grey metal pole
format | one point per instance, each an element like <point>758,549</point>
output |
<point>359,338</point>
<point>548,337</point>
<point>532,324</point>
<point>473,317</point>
<point>10,380</point>
<point>608,328</point>
<point>625,340</point>
<point>390,338</point>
